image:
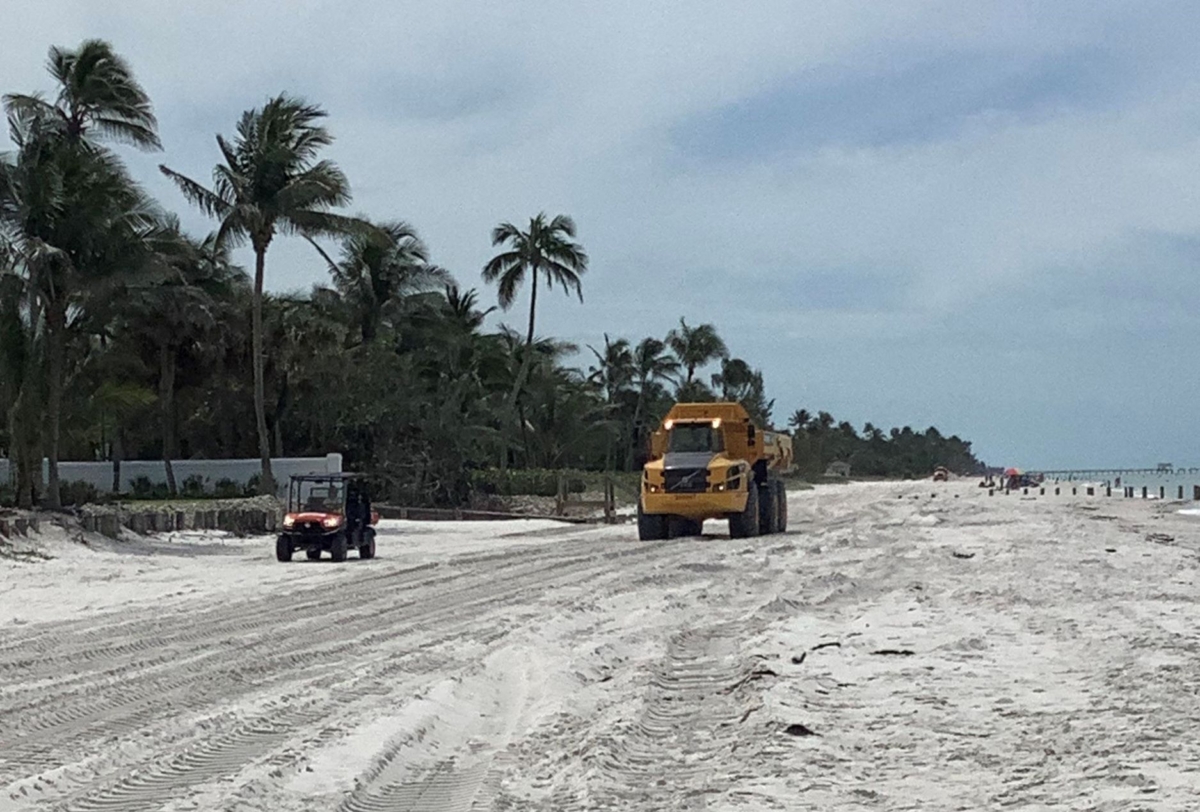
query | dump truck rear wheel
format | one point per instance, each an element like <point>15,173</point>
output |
<point>283,549</point>
<point>651,526</point>
<point>745,524</point>
<point>783,506</point>
<point>338,547</point>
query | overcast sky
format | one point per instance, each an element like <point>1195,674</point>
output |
<point>977,215</point>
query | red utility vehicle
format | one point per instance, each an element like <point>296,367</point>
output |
<point>327,513</point>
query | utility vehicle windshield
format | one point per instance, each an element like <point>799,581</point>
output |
<point>694,437</point>
<point>321,497</point>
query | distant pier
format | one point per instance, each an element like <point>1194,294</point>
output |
<point>1090,474</point>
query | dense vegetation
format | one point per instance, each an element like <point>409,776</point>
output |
<point>121,337</point>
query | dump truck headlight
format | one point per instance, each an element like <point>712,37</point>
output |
<point>652,488</point>
<point>720,486</point>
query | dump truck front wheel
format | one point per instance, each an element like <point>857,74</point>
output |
<point>651,526</point>
<point>745,524</point>
<point>768,509</point>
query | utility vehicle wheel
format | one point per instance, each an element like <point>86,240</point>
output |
<point>313,553</point>
<point>283,549</point>
<point>679,527</point>
<point>367,550</point>
<point>651,526</point>
<point>745,524</point>
<point>783,506</point>
<point>338,547</point>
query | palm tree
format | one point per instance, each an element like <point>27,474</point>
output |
<point>177,312</point>
<point>614,373</point>
<point>96,93</point>
<point>546,248</point>
<point>696,347</point>
<point>22,350</point>
<point>380,267</point>
<point>614,370</point>
<point>653,365</point>
<point>799,420</point>
<point>272,182</point>
<point>73,212</point>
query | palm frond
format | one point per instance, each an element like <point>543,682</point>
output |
<point>207,201</point>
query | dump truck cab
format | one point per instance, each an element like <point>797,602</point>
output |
<point>710,461</point>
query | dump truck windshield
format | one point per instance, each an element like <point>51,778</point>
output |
<point>694,437</point>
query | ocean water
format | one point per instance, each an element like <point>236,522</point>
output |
<point>1170,481</point>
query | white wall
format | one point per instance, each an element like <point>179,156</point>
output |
<point>99,474</point>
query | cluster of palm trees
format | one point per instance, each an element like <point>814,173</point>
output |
<point>821,439</point>
<point>121,336</point>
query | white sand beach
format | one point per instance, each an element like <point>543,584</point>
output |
<point>915,646</point>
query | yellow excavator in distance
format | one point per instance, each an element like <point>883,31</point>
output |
<point>710,461</point>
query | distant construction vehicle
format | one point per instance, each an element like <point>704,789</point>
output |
<point>710,461</point>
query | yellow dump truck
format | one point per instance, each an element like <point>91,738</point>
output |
<point>709,461</point>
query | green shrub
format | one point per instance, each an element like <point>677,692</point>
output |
<point>193,487</point>
<point>251,488</point>
<point>79,492</point>
<point>525,482</point>
<point>8,495</point>
<point>226,488</point>
<point>141,487</point>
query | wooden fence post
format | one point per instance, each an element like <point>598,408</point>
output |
<point>1091,491</point>
<point>1145,492</point>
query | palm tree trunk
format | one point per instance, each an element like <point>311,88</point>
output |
<point>281,406</point>
<point>118,455</point>
<point>166,400</point>
<point>523,372</point>
<point>20,453</point>
<point>532,308</point>
<point>266,483</point>
<point>56,326</point>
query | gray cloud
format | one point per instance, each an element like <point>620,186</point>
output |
<point>978,216</point>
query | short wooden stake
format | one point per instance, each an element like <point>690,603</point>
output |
<point>1145,492</point>
<point>1091,491</point>
<point>1162,492</point>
